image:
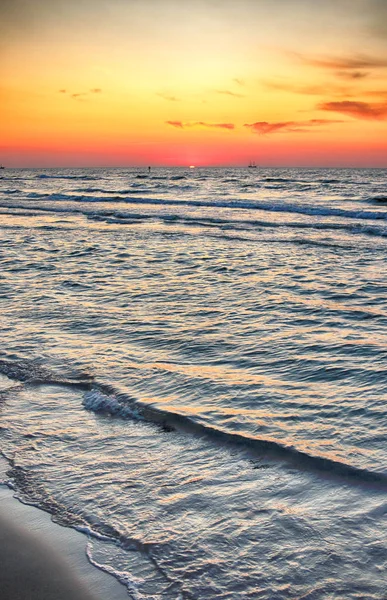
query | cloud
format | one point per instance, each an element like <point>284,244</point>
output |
<point>358,110</point>
<point>342,92</point>
<point>341,63</point>
<point>350,68</point>
<point>265,128</point>
<point>177,124</point>
<point>240,82</point>
<point>229,93</point>
<point>376,94</point>
<point>181,125</point>
<point>80,95</point>
<point>308,90</point>
<point>323,121</point>
<point>216,125</point>
<point>168,97</point>
<point>352,74</point>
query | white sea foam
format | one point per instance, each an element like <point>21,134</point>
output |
<point>98,402</point>
<point>127,579</point>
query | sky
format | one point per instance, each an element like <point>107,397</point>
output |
<point>199,82</point>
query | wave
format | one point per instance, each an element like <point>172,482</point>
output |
<point>15,178</point>
<point>93,190</point>
<point>330,181</point>
<point>28,371</point>
<point>304,209</point>
<point>380,199</point>
<point>118,193</point>
<point>129,581</point>
<point>281,180</point>
<point>120,406</point>
<point>128,218</point>
<point>104,399</point>
<point>133,190</point>
<point>120,218</point>
<point>84,177</point>
<point>157,177</point>
<point>97,531</point>
<point>123,192</point>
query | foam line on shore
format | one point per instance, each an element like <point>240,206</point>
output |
<point>53,564</point>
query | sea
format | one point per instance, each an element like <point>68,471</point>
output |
<point>193,373</point>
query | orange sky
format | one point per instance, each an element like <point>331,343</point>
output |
<point>205,82</point>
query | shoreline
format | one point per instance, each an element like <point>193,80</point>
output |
<point>41,560</point>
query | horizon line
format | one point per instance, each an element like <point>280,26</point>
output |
<point>203,166</point>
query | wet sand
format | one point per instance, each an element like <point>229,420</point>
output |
<point>40,560</point>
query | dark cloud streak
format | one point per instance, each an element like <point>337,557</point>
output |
<point>229,93</point>
<point>266,128</point>
<point>168,97</point>
<point>189,125</point>
<point>341,64</point>
<point>177,124</point>
<point>308,90</point>
<point>352,74</point>
<point>79,95</point>
<point>358,110</point>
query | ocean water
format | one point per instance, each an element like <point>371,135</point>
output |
<point>193,372</point>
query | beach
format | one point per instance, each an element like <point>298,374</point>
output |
<point>44,561</point>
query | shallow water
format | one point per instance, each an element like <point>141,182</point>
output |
<point>194,373</point>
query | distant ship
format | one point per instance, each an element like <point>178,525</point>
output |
<point>2,167</point>
<point>252,165</point>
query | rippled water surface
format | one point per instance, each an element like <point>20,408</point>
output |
<point>193,372</point>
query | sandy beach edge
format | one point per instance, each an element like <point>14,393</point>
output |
<point>40,560</point>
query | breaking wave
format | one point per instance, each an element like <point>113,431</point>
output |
<point>99,402</point>
<point>303,209</point>
<point>103,399</point>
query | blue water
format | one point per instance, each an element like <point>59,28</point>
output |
<point>193,371</point>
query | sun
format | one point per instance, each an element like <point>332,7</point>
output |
<point>192,166</point>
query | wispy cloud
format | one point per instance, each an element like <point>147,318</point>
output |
<point>308,90</point>
<point>350,68</point>
<point>342,63</point>
<point>358,110</point>
<point>81,95</point>
<point>265,128</point>
<point>168,97</point>
<point>191,124</point>
<point>177,124</point>
<point>352,74</point>
<point>240,82</point>
<point>229,93</point>
<point>323,121</point>
<point>376,94</point>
